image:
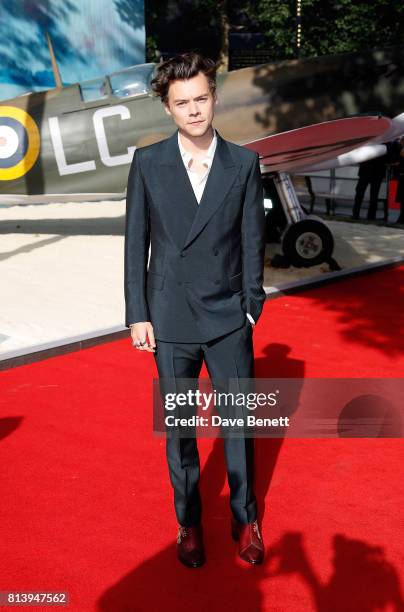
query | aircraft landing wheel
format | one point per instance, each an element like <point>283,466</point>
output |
<point>307,243</point>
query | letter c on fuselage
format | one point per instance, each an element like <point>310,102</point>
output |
<point>98,120</point>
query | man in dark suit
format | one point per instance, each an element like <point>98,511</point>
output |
<point>197,199</point>
<point>371,172</point>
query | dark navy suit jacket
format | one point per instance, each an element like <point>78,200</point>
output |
<point>207,261</point>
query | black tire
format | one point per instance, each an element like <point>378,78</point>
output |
<point>307,243</point>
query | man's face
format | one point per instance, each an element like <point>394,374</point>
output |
<point>191,104</point>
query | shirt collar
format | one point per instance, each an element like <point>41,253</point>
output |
<point>187,156</point>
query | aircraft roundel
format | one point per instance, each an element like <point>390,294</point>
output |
<point>19,142</point>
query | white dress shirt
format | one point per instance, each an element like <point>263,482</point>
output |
<point>198,183</point>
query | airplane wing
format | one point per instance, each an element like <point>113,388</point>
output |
<point>369,151</point>
<point>352,158</point>
<point>320,143</point>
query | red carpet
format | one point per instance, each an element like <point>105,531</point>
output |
<point>87,505</point>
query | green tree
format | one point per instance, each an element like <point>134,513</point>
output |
<point>330,27</point>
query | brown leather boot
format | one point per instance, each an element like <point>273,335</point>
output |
<point>250,545</point>
<point>190,549</point>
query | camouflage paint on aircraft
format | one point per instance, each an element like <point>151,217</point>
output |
<point>86,133</point>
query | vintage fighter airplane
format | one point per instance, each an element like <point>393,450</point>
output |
<point>76,142</point>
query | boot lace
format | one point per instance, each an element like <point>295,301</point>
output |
<point>182,533</point>
<point>256,529</point>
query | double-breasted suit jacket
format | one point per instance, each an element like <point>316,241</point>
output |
<point>206,260</point>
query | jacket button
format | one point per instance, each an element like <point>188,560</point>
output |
<point>183,254</point>
<point>179,282</point>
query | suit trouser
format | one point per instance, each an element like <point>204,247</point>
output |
<point>361,187</point>
<point>229,356</point>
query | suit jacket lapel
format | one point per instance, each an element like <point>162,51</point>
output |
<point>221,176</point>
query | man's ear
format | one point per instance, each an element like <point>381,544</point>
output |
<point>167,109</point>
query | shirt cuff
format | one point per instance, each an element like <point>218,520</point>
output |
<point>249,317</point>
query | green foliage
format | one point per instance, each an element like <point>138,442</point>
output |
<point>329,27</point>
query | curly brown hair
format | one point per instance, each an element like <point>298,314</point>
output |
<point>183,66</point>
